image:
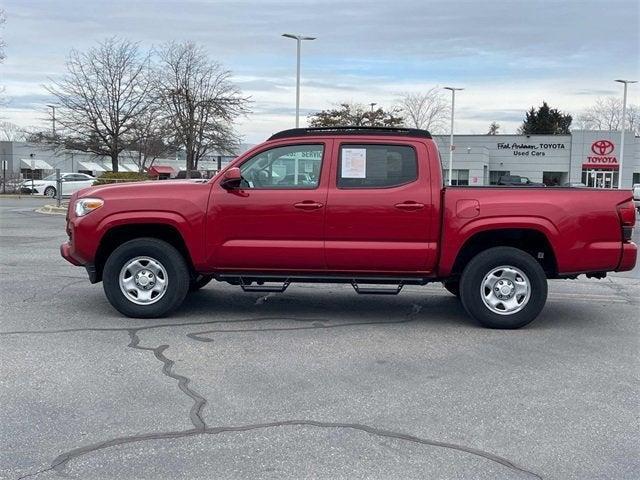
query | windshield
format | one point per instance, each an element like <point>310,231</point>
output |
<point>50,177</point>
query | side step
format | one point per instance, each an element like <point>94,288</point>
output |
<point>362,285</point>
<point>377,290</point>
<point>260,287</point>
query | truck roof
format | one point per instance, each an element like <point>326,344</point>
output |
<point>341,131</point>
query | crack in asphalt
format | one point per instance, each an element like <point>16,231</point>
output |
<point>60,462</point>
<point>195,414</point>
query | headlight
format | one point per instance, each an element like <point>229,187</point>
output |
<point>87,205</point>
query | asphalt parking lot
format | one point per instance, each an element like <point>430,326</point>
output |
<point>316,382</point>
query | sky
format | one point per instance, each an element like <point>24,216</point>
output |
<point>508,55</point>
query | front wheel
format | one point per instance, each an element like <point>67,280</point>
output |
<point>503,287</point>
<point>145,278</point>
<point>50,192</point>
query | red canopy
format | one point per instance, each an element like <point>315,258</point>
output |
<point>160,170</point>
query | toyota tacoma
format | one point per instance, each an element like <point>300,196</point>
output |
<point>361,206</point>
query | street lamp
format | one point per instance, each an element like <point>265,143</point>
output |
<point>624,118</point>
<point>53,107</point>
<point>299,39</point>
<point>453,105</point>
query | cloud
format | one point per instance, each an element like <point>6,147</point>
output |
<point>508,55</point>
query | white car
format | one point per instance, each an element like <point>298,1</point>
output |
<point>636,196</point>
<point>71,182</point>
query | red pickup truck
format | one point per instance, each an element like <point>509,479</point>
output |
<point>362,206</point>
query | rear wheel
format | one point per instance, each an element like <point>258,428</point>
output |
<point>50,192</point>
<point>145,278</point>
<point>503,287</point>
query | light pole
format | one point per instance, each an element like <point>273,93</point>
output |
<point>624,119</point>
<point>373,104</point>
<point>53,107</point>
<point>453,106</point>
<point>299,39</point>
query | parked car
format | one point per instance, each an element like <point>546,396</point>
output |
<point>182,174</point>
<point>377,217</point>
<point>636,196</point>
<point>71,183</point>
<point>518,181</point>
<point>574,185</point>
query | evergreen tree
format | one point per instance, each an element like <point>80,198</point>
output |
<point>546,120</point>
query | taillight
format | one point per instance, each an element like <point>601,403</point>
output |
<point>627,215</point>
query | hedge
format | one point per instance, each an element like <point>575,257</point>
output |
<point>121,177</point>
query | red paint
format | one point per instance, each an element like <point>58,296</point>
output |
<point>416,229</point>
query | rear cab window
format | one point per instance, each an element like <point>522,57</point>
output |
<point>376,166</point>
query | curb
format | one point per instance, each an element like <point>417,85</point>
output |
<point>52,210</point>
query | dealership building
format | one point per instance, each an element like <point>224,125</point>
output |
<point>584,156</point>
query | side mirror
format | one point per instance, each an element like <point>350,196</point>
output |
<point>231,179</point>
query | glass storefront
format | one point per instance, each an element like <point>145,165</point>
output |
<point>600,178</point>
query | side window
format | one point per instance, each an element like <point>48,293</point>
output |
<point>376,166</point>
<point>294,166</point>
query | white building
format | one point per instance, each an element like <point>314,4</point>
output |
<point>590,157</point>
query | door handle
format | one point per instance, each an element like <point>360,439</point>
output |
<point>409,206</point>
<point>308,205</point>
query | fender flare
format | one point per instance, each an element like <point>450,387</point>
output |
<point>474,227</point>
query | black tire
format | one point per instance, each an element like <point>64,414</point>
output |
<point>481,265</point>
<point>50,192</point>
<point>177,276</point>
<point>453,287</point>
<point>199,281</point>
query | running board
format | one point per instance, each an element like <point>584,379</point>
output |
<point>248,287</point>
<point>377,290</point>
<point>384,285</point>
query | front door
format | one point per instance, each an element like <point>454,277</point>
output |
<point>379,209</point>
<point>275,220</point>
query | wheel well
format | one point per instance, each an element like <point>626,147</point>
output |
<point>531,241</point>
<point>119,235</point>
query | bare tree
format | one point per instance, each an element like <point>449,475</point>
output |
<point>606,114</point>
<point>428,110</point>
<point>149,133</point>
<point>199,101</point>
<point>10,132</point>
<point>103,92</point>
<point>494,128</point>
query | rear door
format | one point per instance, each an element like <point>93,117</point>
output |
<point>379,208</point>
<point>275,221</point>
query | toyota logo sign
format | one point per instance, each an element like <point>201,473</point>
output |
<point>602,147</point>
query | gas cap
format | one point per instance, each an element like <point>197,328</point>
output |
<point>467,208</point>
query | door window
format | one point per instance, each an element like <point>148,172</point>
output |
<point>293,166</point>
<point>376,166</point>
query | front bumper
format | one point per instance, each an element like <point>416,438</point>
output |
<point>66,250</point>
<point>32,191</point>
